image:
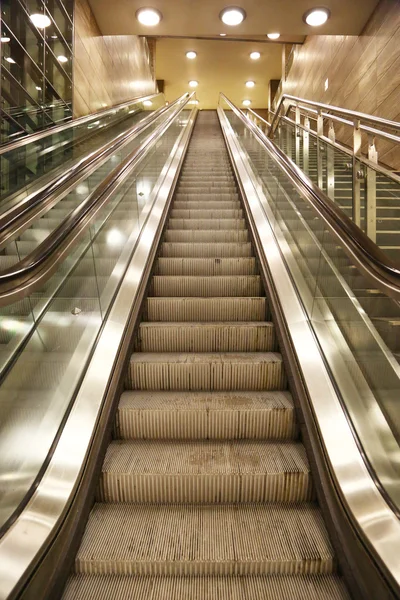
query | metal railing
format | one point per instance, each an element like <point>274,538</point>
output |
<point>321,121</point>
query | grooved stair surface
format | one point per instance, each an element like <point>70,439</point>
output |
<point>272,587</point>
<point>206,371</point>
<point>205,471</point>
<point>206,415</point>
<point>207,309</point>
<point>190,539</point>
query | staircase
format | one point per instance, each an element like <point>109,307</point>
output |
<point>206,490</point>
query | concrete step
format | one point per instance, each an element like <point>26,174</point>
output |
<point>243,539</point>
<point>206,337</point>
<point>206,371</point>
<point>206,416</point>
<point>203,471</point>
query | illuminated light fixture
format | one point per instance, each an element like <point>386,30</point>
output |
<point>147,103</point>
<point>273,36</point>
<point>222,34</point>
<point>40,21</point>
<point>246,102</point>
<point>54,37</point>
<point>193,83</point>
<point>232,15</point>
<point>5,39</point>
<point>316,16</point>
<point>62,58</point>
<point>191,54</point>
<point>10,60</point>
<point>39,89</point>
<point>255,55</point>
<point>250,84</point>
<point>148,16</point>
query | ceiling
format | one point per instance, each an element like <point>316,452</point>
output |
<point>218,67</point>
<point>201,18</point>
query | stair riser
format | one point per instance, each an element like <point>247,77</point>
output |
<point>204,489</point>
<point>203,377</point>
<point>239,286</point>
<point>202,236</point>
<point>206,224</point>
<point>206,266</point>
<point>221,250</point>
<point>207,309</point>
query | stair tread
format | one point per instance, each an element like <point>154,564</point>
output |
<point>151,537</point>
<point>207,324</point>
<point>206,357</point>
<point>259,587</point>
<point>205,457</point>
<point>210,401</point>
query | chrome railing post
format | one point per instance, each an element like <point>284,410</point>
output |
<point>356,173</point>
<point>330,162</point>
<point>371,190</point>
<point>297,134</point>
<point>306,146</point>
<point>320,132</point>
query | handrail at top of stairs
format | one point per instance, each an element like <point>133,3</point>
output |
<point>362,251</point>
<point>19,281</point>
<point>11,220</point>
<point>39,135</point>
<point>355,117</point>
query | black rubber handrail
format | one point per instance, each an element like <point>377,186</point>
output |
<point>18,278</point>
<point>358,246</point>
<point>13,219</point>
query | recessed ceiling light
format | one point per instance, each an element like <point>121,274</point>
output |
<point>193,83</point>
<point>246,102</point>
<point>147,103</point>
<point>255,55</point>
<point>222,34</point>
<point>40,21</point>
<point>273,36</point>
<point>250,84</point>
<point>10,60</point>
<point>39,89</point>
<point>5,39</point>
<point>232,15</point>
<point>54,37</point>
<point>62,59</point>
<point>148,16</point>
<point>316,16</point>
<point>191,54</point>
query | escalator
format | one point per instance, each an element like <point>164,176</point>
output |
<point>187,419</point>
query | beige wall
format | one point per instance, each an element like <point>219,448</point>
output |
<point>363,72</point>
<point>108,70</point>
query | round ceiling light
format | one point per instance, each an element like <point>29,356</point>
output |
<point>40,21</point>
<point>316,16</point>
<point>246,102</point>
<point>273,36</point>
<point>222,34</point>
<point>250,84</point>
<point>5,39</point>
<point>193,83</point>
<point>232,15</point>
<point>255,55</point>
<point>148,16</point>
<point>62,58</point>
<point>191,54</point>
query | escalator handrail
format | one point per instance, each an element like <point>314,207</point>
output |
<point>352,114</point>
<point>39,135</point>
<point>358,246</point>
<point>12,219</point>
<point>16,280</point>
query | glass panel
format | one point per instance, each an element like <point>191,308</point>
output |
<point>356,325</point>
<point>62,321</point>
